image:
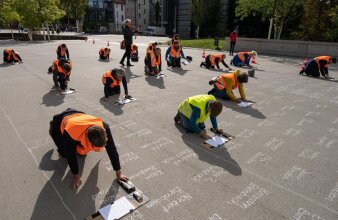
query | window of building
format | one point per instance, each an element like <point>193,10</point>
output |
<point>122,17</point>
<point>144,11</point>
<point>139,15</point>
<point>121,7</point>
<point>144,21</point>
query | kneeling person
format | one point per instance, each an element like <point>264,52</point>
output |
<point>104,53</point>
<point>243,58</point>
<point>61,69</point>
<point>318,66</point>
<point>10,56</point>
<point>152,62</point>
<point>224,84</point>
<point>76,133</point>
<point>134,53</point>
<point>213,60</point>
<point>174,54</point>
<point>195,110</point>
<point>112,80</point>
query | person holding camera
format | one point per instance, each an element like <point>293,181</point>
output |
<point>128,33</point>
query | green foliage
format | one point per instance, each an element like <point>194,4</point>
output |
<point>8,14</point>
<point>27,10</point>
<point>333,32</point>
<point>201,43</point>
<point>75,9</point>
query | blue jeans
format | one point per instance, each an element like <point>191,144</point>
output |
<point>185,122</point>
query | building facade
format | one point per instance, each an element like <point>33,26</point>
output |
<point>131,11</point>
<point>120,15</point>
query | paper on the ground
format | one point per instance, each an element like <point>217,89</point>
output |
<point>125,101</point>
<point>216,141</point>
<point>120,208</point>
<point>186,62</point>
<point>67,92</point>
<point>244,104</point>
<point>160,75</point>
<point>105,211</point>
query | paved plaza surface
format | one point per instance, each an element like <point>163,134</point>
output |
<point>281,165</point>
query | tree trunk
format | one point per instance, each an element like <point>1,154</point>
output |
<point>12,33</point>
<point>30,35</point>
<point>43,31</point>
<point>48,33</point>
<point>280,30</point>
<point>270,28</point>
<point>77,25</point>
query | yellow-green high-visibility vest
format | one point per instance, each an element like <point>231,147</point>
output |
<point>199,101</point>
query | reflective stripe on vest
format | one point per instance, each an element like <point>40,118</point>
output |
<point>326,58</point>
<point>213,57</point>
<point>199,101</point>
<point>175,53</point>
<point>76,126</point>
<point>221,84</point>
<point>242,57</point>
<point>108,74</point>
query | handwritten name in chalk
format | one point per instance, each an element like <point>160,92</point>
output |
<point>211,174</point>
<point>317,95</point>
<point>295,172</point>
<point>241,116</point>
<point>124,125</point>
<point>215,217</point>
<point>312,113</point>
<point>124,158</point>
<point>134,215</point>
<point>277,98</point>
<point>158,144</point>
<point>281,89</point>
<point>224,124</point>
<point>301,212</point>
<point>258,157</point>
<point>327,141</point>
<point>287,108</point>
<point>308,154</point>
<point>109,190</point>
<point>274,144</point>
<point>330,143</point>
<point>304,120</point>
<point>140,133</point>
<point>181,157</point>
<point>298,101</point>
<point>333,193</point>
<point>333,131</point>
<point>298,92</point>
<point>233,146</point>
<point>170,200</point>
<point>266,123</point>
<point>278,114</point>
<point>294,132</point>
<point>322,139</point>
<point>246,133</point>
<point>249,196</point>
<point>335,121</point>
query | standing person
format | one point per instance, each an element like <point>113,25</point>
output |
<point>233,39</point>
<point>10,56</point>
<point>317,66</point>
<point>76,133</point>
<point>128,33</point>
<point>62,52</point>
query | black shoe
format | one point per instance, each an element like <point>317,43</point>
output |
<point>129,64</point>
<point>211,82</point>
<point>230,62</point>
<point>177,118</point>
<point>301,72</point>
<point>201,64</point>
<point>121,62</point>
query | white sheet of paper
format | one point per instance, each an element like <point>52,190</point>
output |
<point>244,104</point>
<point>186,62</point>
<point>67,92</point>
<point>216,141</point>
<point>105,211</point>
<point>125,101</point>
<point>120,208</point>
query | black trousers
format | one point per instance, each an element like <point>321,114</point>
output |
<point>207,63</point>
<point>60,80</point>
<point>127,54</point>
<point>232,47</point>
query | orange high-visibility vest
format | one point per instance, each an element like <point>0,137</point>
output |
<point>56,64</point>
<point>108,74</point>
<point>62,52</point>
<point>241,56</point>
<point>326,58</point>
<point>76,126</point>
<point>221,84</point>
<point>175,53</point>
<point>103,51</point>
<point>213,57</point>
<point>8,51</point>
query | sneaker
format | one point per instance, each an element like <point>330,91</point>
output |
<point>121,62</point>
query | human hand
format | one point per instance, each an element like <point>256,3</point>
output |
<point>238,100</point>
<point>203,134</point>
<point>77,181</point>
<point>219,131</point>
<point>120,177</point>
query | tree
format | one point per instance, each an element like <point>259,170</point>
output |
<point>75,9</point>
<point>280,11</point>
<point>8,14</point>
<point>333,32</point>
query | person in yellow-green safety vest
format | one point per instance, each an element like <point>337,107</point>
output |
<point>195,110</point>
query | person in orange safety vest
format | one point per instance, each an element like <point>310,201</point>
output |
<point>318,66</point>
<point>104,53</point>
<point>61,70</point>
<point>112,80</point>
<point>76,133</point>
<point>213,60</point>
<point>134,53</point>
<point>226,83</point>
<point>174,54</point>
<point>11,56</point>
<point>62,52</point>
<point>152,62</point>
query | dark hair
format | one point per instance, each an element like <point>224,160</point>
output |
<point>242,78</point>
<point>97,135</point>
<point>67,67</point>
<point>216,108</point>
<point>334,60</point>
<point>63,46</point>
<point>176,42</point>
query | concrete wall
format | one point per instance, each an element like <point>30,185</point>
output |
<point>285,47</point>
<point>184,18</point>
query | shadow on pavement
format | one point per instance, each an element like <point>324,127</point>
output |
<point>129,74</point>
<point>153,81</point>
<point>227,163</point>
<point>321,78</point>
<point>79,204</point>
<point>115,109</point>
<point>52,98</point>
<point>255,113</point>
<point>178,70</point>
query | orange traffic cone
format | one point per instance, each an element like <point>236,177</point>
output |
<point>253,60</point>
<point>304,63</point>
<point>108,44</point>
<point>93,41</point>
<point>203,54</point>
